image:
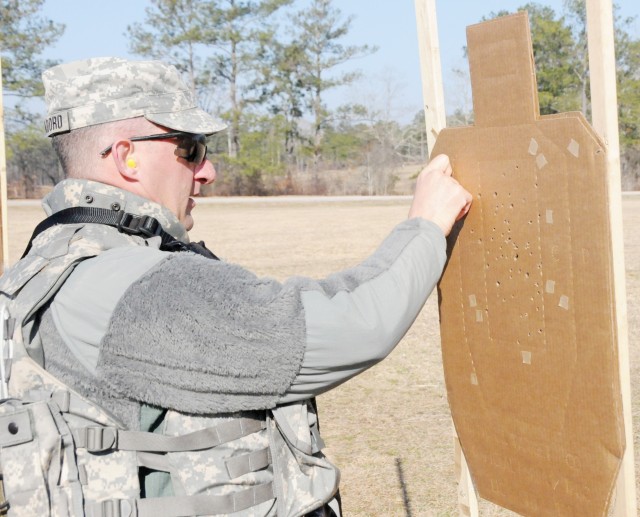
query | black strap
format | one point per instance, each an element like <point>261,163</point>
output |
<point>132,224</point>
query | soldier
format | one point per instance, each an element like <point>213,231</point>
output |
<point>180,384</point>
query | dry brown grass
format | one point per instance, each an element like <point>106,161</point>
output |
<point>392,422</point>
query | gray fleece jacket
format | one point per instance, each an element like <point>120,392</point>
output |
<point>178,331</point>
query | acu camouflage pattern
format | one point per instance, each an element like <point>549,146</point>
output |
<point>98,90</point>
<point>306,475</point>
<point>77,192</point>
<point>47,475</point>
<point>50,475</point>
<point>303,478</point>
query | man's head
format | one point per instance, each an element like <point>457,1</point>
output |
<point>100,113</point>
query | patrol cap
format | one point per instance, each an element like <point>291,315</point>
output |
<point>105,89</point>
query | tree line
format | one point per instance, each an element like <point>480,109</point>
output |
<point>265,67</point>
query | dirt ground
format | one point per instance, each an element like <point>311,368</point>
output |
<point>389,430</point>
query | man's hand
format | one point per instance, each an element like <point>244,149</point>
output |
<point>438,197</point>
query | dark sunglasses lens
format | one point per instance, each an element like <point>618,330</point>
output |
<point>192,148</point>
<point>201,152</point>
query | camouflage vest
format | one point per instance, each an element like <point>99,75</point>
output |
<point>62,454</point>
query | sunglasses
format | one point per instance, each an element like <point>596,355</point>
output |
<point>191,146</point>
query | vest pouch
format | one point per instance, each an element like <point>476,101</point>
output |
<point>235,468</point>
<point>76,480</point>
<point>309,480</point>
<point>39,473</point>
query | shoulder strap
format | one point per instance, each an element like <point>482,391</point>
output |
<point>132,224</point>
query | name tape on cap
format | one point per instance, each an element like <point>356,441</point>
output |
<point>56,123</point>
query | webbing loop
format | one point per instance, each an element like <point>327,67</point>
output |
<point>201,504</point>
<point>184,506</point>
<point>100,439</point>
<point>240,465</point>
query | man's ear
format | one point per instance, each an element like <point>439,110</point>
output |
<point>122,154</point>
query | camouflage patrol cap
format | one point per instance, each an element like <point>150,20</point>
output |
<point>93,91</point>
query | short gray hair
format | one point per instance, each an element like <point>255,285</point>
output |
<point>79,150</point>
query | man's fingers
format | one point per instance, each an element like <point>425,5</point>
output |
<point>441,163</point>
<point>467,198</point>
<point>438,196</point>
<point>464,211</point>
<point>448,170</point>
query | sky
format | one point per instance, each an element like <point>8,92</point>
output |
<point>99,29</point>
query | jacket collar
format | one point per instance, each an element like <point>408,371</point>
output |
<point>80,192</point>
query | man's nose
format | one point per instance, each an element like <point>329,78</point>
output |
<point>205,173</point>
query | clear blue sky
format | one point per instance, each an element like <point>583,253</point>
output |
<point>98,29</point>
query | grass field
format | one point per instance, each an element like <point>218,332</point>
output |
<point>389,429</point>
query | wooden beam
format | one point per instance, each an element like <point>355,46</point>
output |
<point>467,498</point>
<point>435,121</point>
<point>604,103</point>
<point>432,89</point>
<point>4,236</point>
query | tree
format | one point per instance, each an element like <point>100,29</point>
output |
<point>284,88</point>
<point>627,63</point>
<point>31,160</point>
<point>460,91</point>
<point>319,27</point>
<point>23,37</point>
<point>628,70</point>
<point>172,32</point>
<point>369,129</point>
<point>559,67</point>
<point>239,31</point>
<point>577,15</point>
<point>217,43</point>
<point>628,82</point>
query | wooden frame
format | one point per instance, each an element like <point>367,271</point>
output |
<point>605,122</point>
<point>4,237</point>
<point>604,102</point>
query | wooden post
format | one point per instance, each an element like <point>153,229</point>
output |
<point>467,498</point>
<point>432,89</point>
<point>602,67</point>
<point>435,121</point>
<point>4,237</point>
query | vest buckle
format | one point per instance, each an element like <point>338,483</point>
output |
<point>133,224</point>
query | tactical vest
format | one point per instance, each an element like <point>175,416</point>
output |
<point>61,454</point>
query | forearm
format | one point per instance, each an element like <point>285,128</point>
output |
<point>362,314</point>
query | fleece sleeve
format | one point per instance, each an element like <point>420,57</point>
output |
<point>205,336</point>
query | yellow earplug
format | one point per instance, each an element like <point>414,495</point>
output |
<point>131,163</point>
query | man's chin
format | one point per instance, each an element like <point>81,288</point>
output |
<point>188,222</point>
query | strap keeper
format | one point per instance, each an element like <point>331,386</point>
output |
<point>97,439</point>
<point>82,475</point>
<point>62,398</point>
<point>113,508</point>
